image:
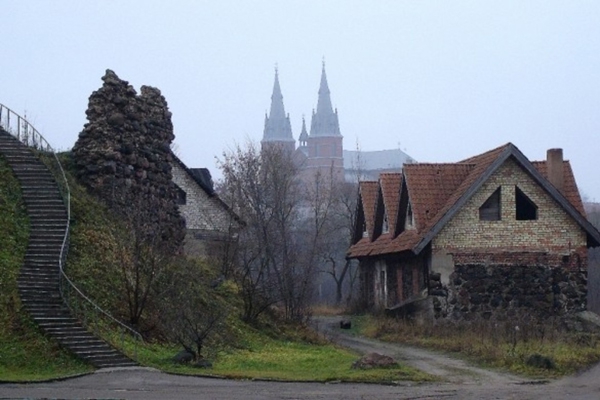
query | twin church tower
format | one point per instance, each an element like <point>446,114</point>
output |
<point>319,150</point>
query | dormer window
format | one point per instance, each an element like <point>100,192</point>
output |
<point>491,210</point>
<point>385,228</point>
<point>410,218</point>
<point>526,210</point>
<point>365,232</point>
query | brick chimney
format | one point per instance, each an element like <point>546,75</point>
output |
<point>554,161</point>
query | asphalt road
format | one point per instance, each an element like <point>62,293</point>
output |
<point>139,383</point>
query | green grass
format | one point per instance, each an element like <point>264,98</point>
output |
<point>294,361</point>
<point>281,360</point>
<point>492,344</point>
<point>25,353</point>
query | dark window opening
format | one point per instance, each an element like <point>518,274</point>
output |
<point>410,218</point>
<point>491,210</point>
<point>385,228</point>
<point>181,196</point>
<point>526,209</point>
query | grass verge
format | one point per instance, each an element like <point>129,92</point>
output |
<point>534,349</point>
<point>283,361</point>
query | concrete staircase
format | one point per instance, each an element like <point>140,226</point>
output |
<point>40,275</point>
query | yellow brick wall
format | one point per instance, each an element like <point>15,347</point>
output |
<point>554,231</point>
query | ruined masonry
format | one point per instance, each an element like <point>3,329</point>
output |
<point>123,155</point>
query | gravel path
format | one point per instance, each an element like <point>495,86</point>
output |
<point>447,368</point>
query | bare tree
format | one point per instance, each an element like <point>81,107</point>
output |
<point>191,314</point>
<point>145,253</point>
<point>277,253</point>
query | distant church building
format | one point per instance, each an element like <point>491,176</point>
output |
<point>321,150</point>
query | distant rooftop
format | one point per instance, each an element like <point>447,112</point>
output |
<point>371,163</point>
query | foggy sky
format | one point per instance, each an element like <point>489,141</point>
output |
<point>442,80</point>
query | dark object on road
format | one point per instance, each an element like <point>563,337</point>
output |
<point>374,360</point>
<point>183,357</point>
<point>345,324</point>
<point>540,361</point>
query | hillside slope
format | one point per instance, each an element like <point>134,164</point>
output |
<point>25,353</point>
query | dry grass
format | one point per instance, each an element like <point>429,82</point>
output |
<point>505,344</point>
<point>328,310</point>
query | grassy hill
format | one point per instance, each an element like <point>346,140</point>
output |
<point>25,353</point>
<point>99,246</point>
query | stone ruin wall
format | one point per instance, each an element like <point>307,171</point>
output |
<point>123,156</point>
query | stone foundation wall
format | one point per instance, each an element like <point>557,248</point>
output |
<point>501,291</point>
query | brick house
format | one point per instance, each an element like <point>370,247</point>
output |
<point>495,232</point>
<point>210,222</point>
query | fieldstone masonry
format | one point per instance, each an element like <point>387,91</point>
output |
<point>477,290</point>
<point>123,155</point>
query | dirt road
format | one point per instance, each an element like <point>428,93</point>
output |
<point>447,368</point>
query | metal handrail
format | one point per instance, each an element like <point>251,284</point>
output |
<point>26,133</point>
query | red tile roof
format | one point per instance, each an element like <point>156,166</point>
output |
<point>570,190</point>
<point>436,191</point>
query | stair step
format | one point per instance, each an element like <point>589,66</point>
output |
<point>55,240</point>
<point>40,197</point>
<point>74,332</point>
<point>44,283</point>
<point>127,363</point>
<point>48,233</point>
<point>48,307</point>
<point>33,295</point>
<point>37,265</point>
<point>56,321</point>
<point>48,223</point>
<point>30,302</point>
<point>105,357</point>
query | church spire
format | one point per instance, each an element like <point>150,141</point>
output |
<point>277,109</point>
<point>277,123</point>
<point>324,101</point>
<point>325,120</point>
<point>303,139</point>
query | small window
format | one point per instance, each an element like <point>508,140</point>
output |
<point>526,209</point>
<point>491,210</point>
<point>181,196</point>
<point>410,218</point>
<point>385,227</point>
<point>365,233</point>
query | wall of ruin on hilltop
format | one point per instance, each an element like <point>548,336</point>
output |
<point>123,156</point>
